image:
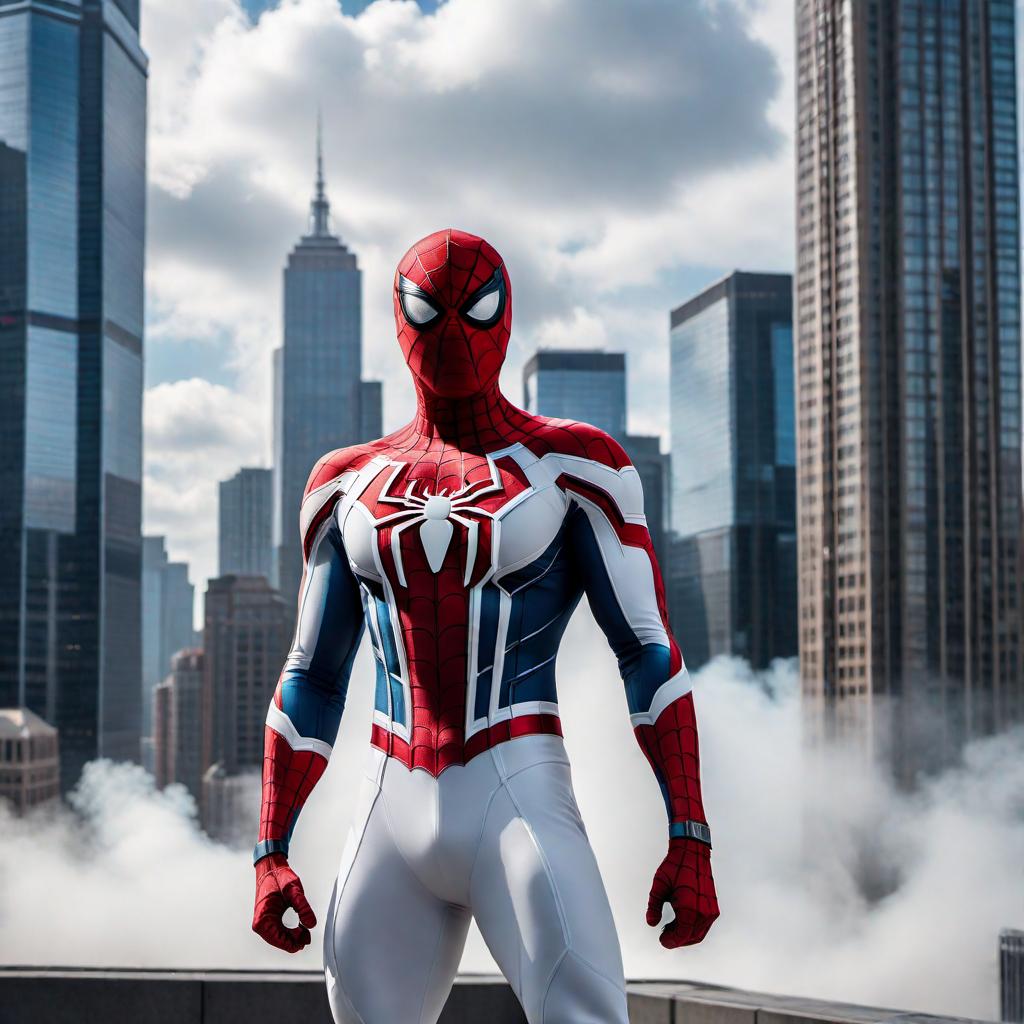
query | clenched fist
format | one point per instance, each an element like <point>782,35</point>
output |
<point>684,880</point>
<point>277,889</point>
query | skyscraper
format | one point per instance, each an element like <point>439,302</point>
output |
<point>177,724</point>
<point>167,610</point>
<point>72,219</point>
<point>578,384</point>
<point>371,410</point>
<point>245,536</point>
<point>732,567</point>
<point>908,356</point>
<point>246,634</point>
<point>320,399</point>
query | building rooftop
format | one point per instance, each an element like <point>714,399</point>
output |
<point>742,281</point>
<point>575,359</point>
<point>20,723</point>
<point>43,995</point>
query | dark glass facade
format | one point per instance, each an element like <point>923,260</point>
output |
<point>732,556</point>
<point>909,364</point>
<point>245,524</point>
<point>572,384</point>
<point>72,215</point>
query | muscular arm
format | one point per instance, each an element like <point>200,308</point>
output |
<point>624,587</point>
<point>302,724</point>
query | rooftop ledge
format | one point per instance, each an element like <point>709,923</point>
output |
<point>62,995</point>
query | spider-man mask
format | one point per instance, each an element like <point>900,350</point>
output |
<point>453,310</point>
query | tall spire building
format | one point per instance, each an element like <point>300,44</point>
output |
<point>908,365</point>
<point>72,250</point>
<point>321,401</point>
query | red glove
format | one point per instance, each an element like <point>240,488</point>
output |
<point>684,880</point>
<point>277,889</point>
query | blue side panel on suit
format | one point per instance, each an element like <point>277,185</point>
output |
<point>544,596</point>
<point>380,692</point>
<point>387,637</point>
<point>490,602</point>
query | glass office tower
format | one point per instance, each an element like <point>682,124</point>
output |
<point>908,334</point>
<point>72,220</point>
<point>732,563</point>
<point>578,384</point>
<point>245,531</point>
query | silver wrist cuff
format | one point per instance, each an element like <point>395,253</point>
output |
<point>269,846</point>
<point>690,830</point>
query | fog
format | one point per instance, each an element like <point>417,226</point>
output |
<point>127,879</point>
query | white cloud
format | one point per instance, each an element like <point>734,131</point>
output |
<point>578,328</point>
<point>202,433</point>
<point>794,915</point>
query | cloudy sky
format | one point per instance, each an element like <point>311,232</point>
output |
<point>619,156</point>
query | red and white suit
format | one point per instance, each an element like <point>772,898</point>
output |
<point>462,544</point>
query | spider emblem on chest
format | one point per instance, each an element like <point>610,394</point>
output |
<point>434,516</point>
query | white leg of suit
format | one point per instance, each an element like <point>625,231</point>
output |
<point>539,900</point>
<point>391,947</point>
<point>501,839</point>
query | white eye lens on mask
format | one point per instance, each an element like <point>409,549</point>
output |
<point>417,311</point>
<point>485,307</point>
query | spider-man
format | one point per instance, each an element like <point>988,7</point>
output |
<point>464,541</point>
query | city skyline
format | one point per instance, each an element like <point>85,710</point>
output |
<point>666,161</point>
<point>228,223</point>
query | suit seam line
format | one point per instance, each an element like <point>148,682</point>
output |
<point>341,889</point>
<point>536,764</point>
<point>433,965</point>
<point>480,835</point>
<point>362,838</point>
<point>551,980</point>
<point>549,874</point>
<point>592,967</point>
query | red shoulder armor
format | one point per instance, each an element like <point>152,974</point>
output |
<point>570,437</point>
<point>330,466</point>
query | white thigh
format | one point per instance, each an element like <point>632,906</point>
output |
<point>541,905</point>
<point>391,949</point>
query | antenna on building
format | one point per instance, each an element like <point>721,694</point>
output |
<point>320,208</point>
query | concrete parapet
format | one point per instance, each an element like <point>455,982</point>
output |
<point>30,995</point>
